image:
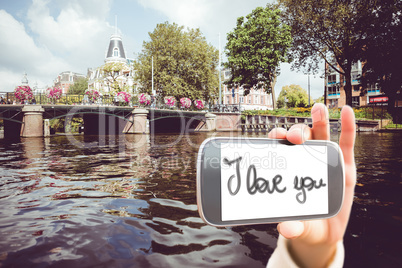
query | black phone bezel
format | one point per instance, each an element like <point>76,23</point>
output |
<point>209,186</point>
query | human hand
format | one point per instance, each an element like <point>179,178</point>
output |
<point>313,243</point>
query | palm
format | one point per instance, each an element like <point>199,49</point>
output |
<point>329,231</point>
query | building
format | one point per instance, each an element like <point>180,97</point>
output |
<point>335,83</point>
<point>38,90</point>
<point>257,99</point>
<point>65,79</point>
<point>114,54</point>
<point>24,80</point>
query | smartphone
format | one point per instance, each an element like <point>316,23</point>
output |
<point>243,181</point>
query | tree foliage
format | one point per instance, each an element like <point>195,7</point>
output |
<point>295,95</point>
<point>256,47</point>
<point>329,30</point>
<point>382,51</point>
<point>79,86</point>
<point>185,65</point>
<point>319,100</point>
<point>112,73</point>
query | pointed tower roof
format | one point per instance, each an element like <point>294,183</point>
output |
<point>24,80</point>
<point>115,51</point>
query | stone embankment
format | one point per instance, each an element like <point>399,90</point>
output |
<point>258,123</point>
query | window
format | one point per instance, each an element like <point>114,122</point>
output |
<point>255,99</point>
<point>356,101</point>
<point>372,88</point>
<point>227,100</point>
<point>262,99</point>
<point>241,99</point>
<point>333,104</point>
<point>355,77</point>
<point>249,100</point>
<point>355,66</point>
<point>332,79</point>
<point>115,52</point>
<point>269,101</point>
<point>332,90</point>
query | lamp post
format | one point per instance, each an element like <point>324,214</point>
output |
<point>153,90</point>
<point>308,90</point>
<point>239,96</point>
<point>220,82</point>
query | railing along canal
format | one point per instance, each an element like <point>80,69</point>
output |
<point>107,100</point>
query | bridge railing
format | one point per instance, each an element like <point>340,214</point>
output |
<point>226,108</point>
<point>65,99</point>
<point>82,99</point>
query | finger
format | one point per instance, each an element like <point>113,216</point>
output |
<point>348,134</point>
<point>298,134</point>
<point>311,232</point>
<point>277,133</point>
<point>291,229</point>
<point>320,117</point>
<point>346,142</point>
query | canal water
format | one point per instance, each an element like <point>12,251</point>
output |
<point>130,201</point>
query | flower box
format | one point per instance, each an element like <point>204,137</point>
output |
<point>199,104</point>
<point>170,101</point>
<point>185,103</point>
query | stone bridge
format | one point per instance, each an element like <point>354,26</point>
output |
<point>33,120</point>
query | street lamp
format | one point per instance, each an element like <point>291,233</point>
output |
<point>309,90</point>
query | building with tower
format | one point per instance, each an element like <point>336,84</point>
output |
<point>24,80</point>
<point>105,82</point>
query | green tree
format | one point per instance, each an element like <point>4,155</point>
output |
<point>112,72</point>
<point>382,51</point>
<point>185,65</point>
<point>295,95</point>
<point>79,86</point>
<point>256,47</point>
<point>329,30</point>
<point>319,100</point>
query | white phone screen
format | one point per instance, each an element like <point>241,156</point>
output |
<point>273,181</point>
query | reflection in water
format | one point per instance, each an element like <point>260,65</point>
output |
<point>374,230</point>
<point>130,200</point>
<point>113,201</point>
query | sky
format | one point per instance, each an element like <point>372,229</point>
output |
<point>46,37</point>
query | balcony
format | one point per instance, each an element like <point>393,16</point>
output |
<point>373,92</point>
<point>334,96</point>
<point>355,82</point>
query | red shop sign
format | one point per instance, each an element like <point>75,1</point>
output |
<point>378,99</point>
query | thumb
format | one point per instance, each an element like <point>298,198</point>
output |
<point>291,229</point>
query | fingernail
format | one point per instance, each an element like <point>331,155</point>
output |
<point>318,114</point>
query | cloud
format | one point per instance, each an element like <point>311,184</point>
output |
<point>75,30</point>
<point>58,36</point>
<point>211,16</point>
<point>19,53</point>
<point>190,13</point>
